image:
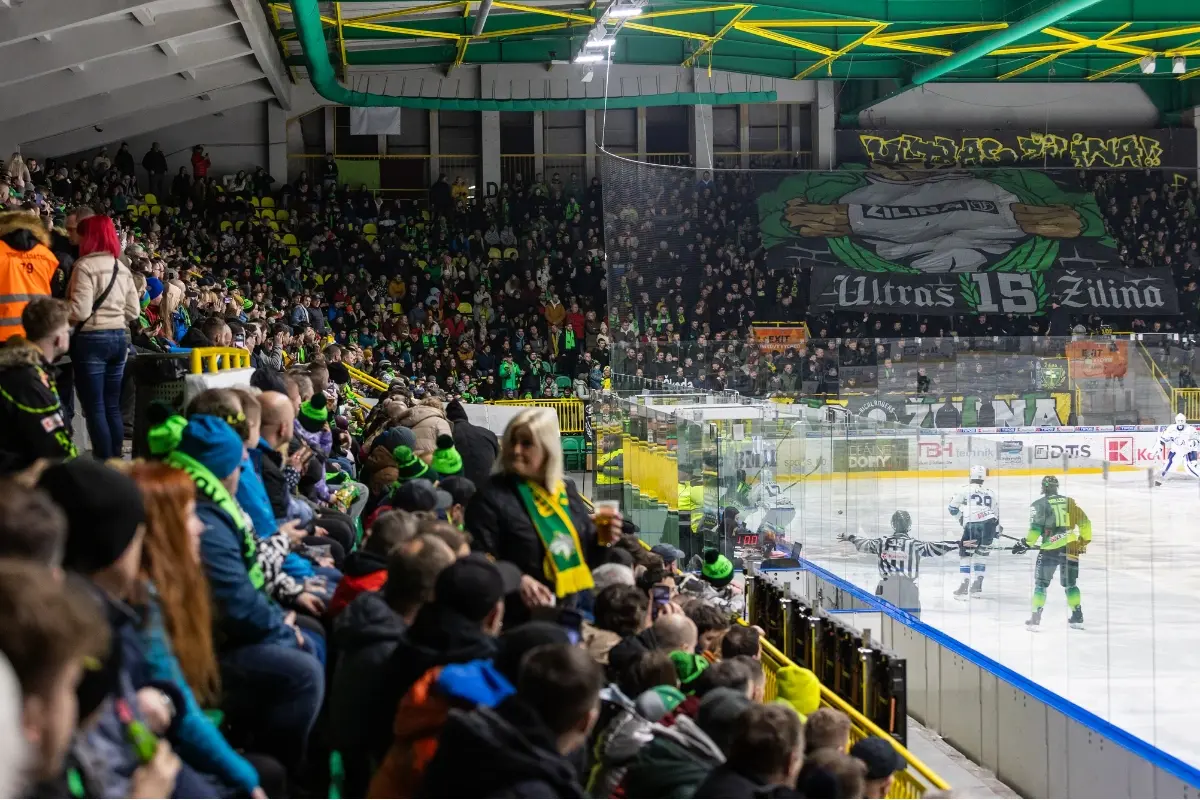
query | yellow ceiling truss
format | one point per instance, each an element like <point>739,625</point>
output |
<point>787,32</point>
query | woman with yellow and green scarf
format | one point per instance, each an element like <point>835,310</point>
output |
<point>529,515</point>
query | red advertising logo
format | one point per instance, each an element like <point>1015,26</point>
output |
<point>1119,449</point>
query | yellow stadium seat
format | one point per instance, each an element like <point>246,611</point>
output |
<point>156,210</point>
<point>294,251</point>
<point>425,215</point>
<point>241,223</point>
<point>268,202</point>
<point>370,228</point>
<point>289,238</point>
<point>151,198</point>
<point>282,215</point>
<point>267,213</point>
<point>494,252</point>
<point>509,252</point>
<point>143,209</point>
<point>254,202</point>
<point>272,224</point>
<point>226,225</point>
<point>370,238</point>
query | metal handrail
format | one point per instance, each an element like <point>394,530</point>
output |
<point>202,357</point>
<point>906,784</point>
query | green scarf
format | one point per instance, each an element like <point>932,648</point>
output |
<point>210,487</point>
<point>550,514</point>
<point>569,338</point>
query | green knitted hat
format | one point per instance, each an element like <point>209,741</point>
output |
<point>166,429</point>
<point>446,459</point>
<point>313,413</point>
<point>688,667</point>
<point>408,466</point>
<point>717,569</point>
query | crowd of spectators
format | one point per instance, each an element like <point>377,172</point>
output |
<point>690,278</point>
<point>293,594</point>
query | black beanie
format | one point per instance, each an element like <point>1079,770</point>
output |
<point>513,644</point>
<point>103,507</point>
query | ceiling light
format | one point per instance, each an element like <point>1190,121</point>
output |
<point>589,58</point>
<point>1179,65</point>
<point>599,42</point>
<point>1148,65</point>
<point>625,11</point>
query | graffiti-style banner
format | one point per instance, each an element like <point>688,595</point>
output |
<point>1103,291</point>
<point>955,411</point>
<point>1147,149</point>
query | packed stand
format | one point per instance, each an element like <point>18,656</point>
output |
<point>689,280</point>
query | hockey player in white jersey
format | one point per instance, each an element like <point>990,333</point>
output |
<point>979,513</point>
<point>1179,441</point>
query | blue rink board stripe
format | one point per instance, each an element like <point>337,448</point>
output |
<point>1164,761</point>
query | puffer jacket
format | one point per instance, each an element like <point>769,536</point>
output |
<point>623,736</point>
<point>380,470</point>
<point>427,421</point>
<point>89,278</point>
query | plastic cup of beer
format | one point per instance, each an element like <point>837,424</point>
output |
<point>606,510</point>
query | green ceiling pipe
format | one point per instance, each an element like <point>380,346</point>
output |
<point>307,16</point>
<point>1002,38</point>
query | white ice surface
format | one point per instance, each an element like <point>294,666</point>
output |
<point>1137,662</point>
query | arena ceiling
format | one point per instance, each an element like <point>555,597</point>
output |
<point>908,41</point>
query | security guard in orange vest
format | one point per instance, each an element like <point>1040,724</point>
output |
<point>26,267</point>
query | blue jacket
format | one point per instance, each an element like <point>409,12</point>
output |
<point>252,497</point>
<point>196,739</point>
<point>243,614</point>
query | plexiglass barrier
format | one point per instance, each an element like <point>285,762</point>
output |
<point>762,480</point>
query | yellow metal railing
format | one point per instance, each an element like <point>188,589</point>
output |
<point>1187,402</point>
<point>369,380</point>
<point>914,781</point>
<point>1160,377</point>
<point>208,359</point>
<point>569,410</point>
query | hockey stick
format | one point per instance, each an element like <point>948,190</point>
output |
<point>1015,539</point>
<point>816,466</point>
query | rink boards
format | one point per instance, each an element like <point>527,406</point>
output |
<point>1134,664</point>
<point>914,453</point>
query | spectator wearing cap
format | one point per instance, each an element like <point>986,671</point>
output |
<point>105,532</point>
<point>422,714</point>
<point>271,672</point>
<point>461,490</point>
<point>477,445</point>
<point>366,635</point>
<point>520,748</point>
<point>529,515</point>
<point>882,763</point>
<point>459,625</point>
<point>671,555</point>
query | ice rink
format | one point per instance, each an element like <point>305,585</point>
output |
<point>1136,662</point>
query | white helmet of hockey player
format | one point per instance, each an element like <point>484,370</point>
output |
<point>1180,421</point>
<point>978,473</point>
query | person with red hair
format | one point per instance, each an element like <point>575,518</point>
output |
<point>103,300</point>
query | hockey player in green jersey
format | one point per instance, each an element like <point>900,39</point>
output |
<point>1065,532</point>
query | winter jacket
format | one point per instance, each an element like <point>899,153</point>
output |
<point>511,754</point>
<point>107,737</point>
<point>366,635</point>
<point>89,279</point>
<point>30,412</point>
<point>727,782</point>
<point>617,744</point>
<point>673,763</point>
<point>197,739</point>
<point>380,470</point>
<point>427,421</point>
<point>477,445</point>
<point>243,614</point>
<point>501,527</point>
<point>422,715</point>
<point>362,572</point>
<point>438,636</point>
